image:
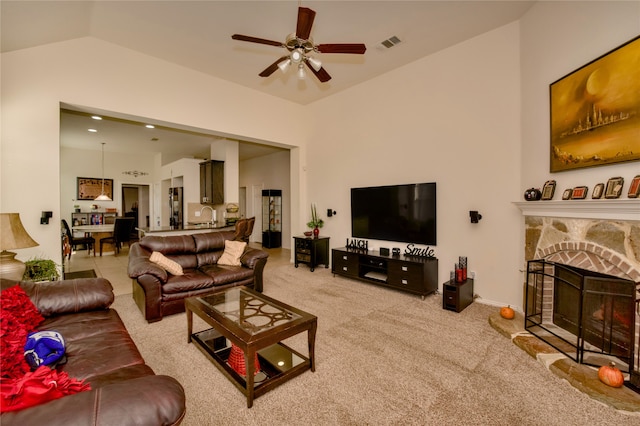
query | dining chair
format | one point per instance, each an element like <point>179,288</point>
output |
<point>88,241</point>
<point>121,233</point>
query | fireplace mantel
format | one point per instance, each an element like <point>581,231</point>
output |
<point>628,209</point>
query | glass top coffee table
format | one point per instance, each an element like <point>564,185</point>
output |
<point>249,323</point>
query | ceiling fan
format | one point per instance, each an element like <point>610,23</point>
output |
<point>300,45</point>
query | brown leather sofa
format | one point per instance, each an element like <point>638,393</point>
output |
<point>158,293</point>
<point>99,350</point>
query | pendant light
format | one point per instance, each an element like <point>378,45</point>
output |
<point>102,196</point>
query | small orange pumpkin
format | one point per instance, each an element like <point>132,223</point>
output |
<point>507,312</point>
<point>610,375</point>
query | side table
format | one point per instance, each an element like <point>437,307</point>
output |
<point>312,251</point>
<point>457,296</point>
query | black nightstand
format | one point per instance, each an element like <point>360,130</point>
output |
<point>312,251</point>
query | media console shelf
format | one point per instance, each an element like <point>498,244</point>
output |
<point>412,274</point>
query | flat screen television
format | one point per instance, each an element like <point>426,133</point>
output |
<point>403,213</point>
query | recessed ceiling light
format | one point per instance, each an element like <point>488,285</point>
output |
<point>150,126</point>
<point>93,130</point>
<point>96,117</point>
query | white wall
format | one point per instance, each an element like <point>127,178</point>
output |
<point>557,38</point>
<point>92,73</point>
<point>83,163</point>
<point>451,118</point>
<point>270,172</point>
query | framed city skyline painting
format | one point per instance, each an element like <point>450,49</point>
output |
<point>595,112</point>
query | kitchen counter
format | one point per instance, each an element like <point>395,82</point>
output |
<point>184,230</point>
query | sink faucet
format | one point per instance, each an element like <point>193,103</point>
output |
<point>213,214</point>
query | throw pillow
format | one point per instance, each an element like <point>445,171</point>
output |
<point>172,267</point>
<point>233,251</point>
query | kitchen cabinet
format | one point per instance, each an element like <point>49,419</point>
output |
<point>212,182</point>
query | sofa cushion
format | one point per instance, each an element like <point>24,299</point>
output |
<point>223,274</point>
<point>172,267</point>
<point>173,244</point>
<point>232,252</point>
<point>97,343</point>
<point>193,279</point>
<point>211,241</point>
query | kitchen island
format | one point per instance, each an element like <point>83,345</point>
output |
<point>183,230</point>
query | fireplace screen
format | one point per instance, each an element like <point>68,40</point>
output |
<point>588,316</point>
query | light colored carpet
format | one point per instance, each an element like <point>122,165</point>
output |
<point>382,358</point>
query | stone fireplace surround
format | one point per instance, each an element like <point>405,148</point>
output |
<point>597,235</point>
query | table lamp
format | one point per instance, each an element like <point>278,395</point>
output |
<point>12,236</point>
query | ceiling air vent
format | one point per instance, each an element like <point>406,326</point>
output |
<point>390,42</point>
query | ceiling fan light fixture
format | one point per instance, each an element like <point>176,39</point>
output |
<point>315,64</point>
<point>297,56</point>
<point>301,73</point>
<point>284,65</point>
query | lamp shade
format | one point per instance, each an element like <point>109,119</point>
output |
<point>12,233</point>
<point>12,236</point>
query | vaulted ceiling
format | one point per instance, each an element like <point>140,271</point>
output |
<point>197,34</point>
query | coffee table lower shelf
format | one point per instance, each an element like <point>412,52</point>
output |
<point>278,363</point>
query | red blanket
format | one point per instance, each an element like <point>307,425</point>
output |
<point>21,388</point>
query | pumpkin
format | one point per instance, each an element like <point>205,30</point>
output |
<point>507,312</point>
<point>610,375</point>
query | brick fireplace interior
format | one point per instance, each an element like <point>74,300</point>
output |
<point>582,290</point>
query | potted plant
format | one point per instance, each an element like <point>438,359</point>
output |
<point>40,270</point>
<point>316,223</point>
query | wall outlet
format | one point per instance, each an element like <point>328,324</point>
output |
<point>197,214</point>
<point>472,275</point>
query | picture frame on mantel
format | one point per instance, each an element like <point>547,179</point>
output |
<point>592,112</point>
<point>634,188</point>
<point>90,188</point>
<point>614,187</point>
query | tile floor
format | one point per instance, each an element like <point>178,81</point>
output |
<point>114,267</point>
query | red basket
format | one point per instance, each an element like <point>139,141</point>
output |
<point>236,361</point>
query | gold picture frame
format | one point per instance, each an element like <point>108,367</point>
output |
<point>592,112</point>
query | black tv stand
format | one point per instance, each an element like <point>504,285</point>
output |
<point>417,275</point>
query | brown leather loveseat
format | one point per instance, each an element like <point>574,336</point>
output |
<point>124,390</point>
<point>158,293</point>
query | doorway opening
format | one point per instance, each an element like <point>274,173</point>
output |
<point>135,203</point>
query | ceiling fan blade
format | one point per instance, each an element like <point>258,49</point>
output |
<point>256,40</point>
<point>322,75</point>
<point>271,68</point>
<point>357,48</point>
<point>305,22</point>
